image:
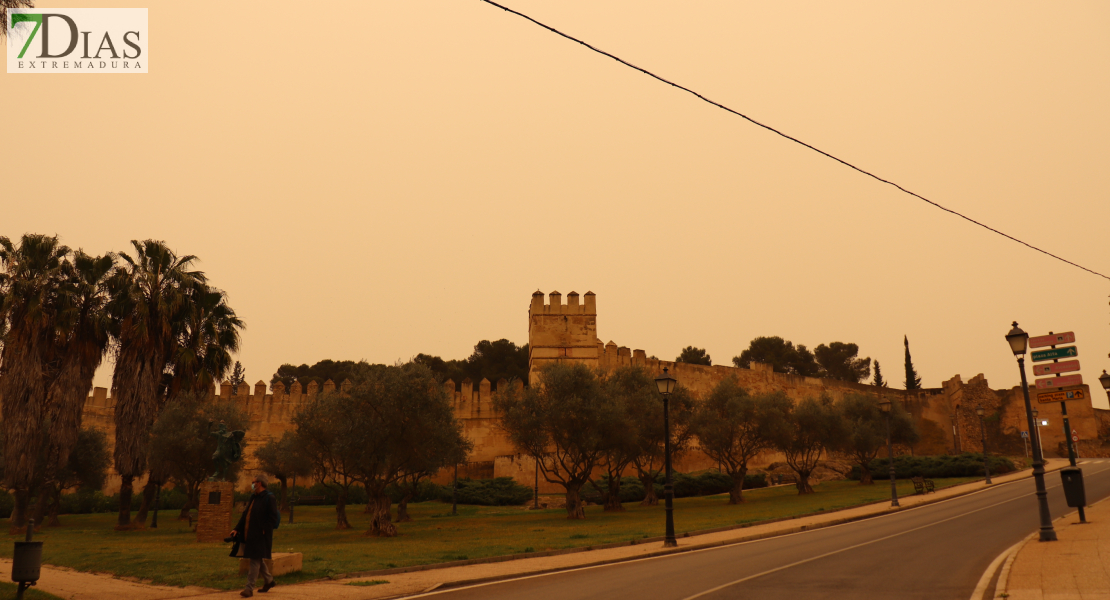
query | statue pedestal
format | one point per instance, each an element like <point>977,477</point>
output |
<point>214,519</point>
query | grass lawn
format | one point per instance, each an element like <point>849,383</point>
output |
<point>170,555</point>
<point>8,591</point>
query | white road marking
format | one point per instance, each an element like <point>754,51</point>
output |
<point>767,539</point>
<point>860,545</point>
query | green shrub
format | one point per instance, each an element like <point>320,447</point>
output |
<point>967,464</point>
<point>706,483</point>
<point>499,491</point>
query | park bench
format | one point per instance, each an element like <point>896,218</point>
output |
<point>922,485</point>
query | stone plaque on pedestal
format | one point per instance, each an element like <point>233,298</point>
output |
<point>214,515</point>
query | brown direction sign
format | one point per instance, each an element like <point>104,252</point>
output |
<point>1062,395</point>
<point>1060,381</point>
<point>1052,339</point>
<point>1056,367</point>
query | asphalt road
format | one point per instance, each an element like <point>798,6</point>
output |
<point>935,551</point>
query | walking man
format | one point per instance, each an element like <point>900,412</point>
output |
<point>255,532</point>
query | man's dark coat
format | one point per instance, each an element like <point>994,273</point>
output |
<point>259,537</point>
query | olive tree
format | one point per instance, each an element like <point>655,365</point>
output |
<point>733,427</point>
<point>282,458</point>
<point>182,446</point>
<point>635,435</point>
<point>865,429</point>
<point>812,427</point>
<point>562,424</point>
<point>645,417</point>
<point>395,421</point>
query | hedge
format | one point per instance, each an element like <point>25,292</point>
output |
<point>967,464</point>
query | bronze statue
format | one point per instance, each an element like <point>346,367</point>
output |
<point>229,449</point>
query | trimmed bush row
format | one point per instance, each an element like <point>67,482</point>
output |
<point>707,483</point>
<point>967,464</point>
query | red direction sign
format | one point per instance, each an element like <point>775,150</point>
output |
<point>1052,339</point>
<point>1059,382</point>
<point>1060,367</point>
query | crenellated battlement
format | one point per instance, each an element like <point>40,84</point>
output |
<point>561,332</point>
<point>575,305</point>
<point>269,415</point>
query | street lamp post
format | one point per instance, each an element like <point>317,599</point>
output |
<point>455,492</point>
<point>666,385</point>
<point>885,405</point>
<point>1019,341</point>
<point>1037,423</point>
<point>983,432</point>
<point>1104,379</point>
<point>536,489</point>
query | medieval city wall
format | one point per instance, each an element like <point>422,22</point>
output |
<point>567,332</point>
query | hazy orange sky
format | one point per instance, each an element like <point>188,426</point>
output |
<point>370,180</point>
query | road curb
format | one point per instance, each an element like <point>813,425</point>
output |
<point>1004,575</point>
<point>1000,563</point>
<point>1025,473</point>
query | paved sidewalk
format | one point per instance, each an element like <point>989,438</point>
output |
<point>74,585</point>
<point>1076,566</point>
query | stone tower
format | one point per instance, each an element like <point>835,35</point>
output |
<point>561,332</point>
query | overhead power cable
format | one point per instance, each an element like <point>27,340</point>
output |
<point>793,139</point>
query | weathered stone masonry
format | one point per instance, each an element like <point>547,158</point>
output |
<point>568,333</point>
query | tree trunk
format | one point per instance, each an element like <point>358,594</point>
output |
<point>125,490</point>
<point>403,506</point>
<point>736,493</point>
<point>149,491</point>
<point>650,499</point>
<point>575,509</point>
<point>341,521</point>
<point>284,481</point>
<point>865,474</point>
<point>380,519</point>
<point>43,505</point>
<point>613,498</point>
<point>19,510</point>
<point>52,517</point>
<point>803,483</point>
<point>192,491</point>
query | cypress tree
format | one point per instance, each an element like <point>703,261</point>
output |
<point>879,381</point>
<point>913,382</point>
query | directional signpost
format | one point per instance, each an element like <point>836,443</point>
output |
<point>1059,381</point>
<point>1055,367</point>
<point>1062,395</point>
<point>1052,339</point>
<point>1059,384</point>
<point>1055,353</point>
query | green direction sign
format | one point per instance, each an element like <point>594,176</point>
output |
<point>1068,352</point>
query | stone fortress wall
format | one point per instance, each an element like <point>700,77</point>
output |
<point>568,333</point>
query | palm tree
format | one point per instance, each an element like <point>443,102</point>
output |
<point>82,329</point>
<point>149,293</point>
<point>4,6</point>
<point>202,355</point>
<point>28,303</point>
<point>206,335</point>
